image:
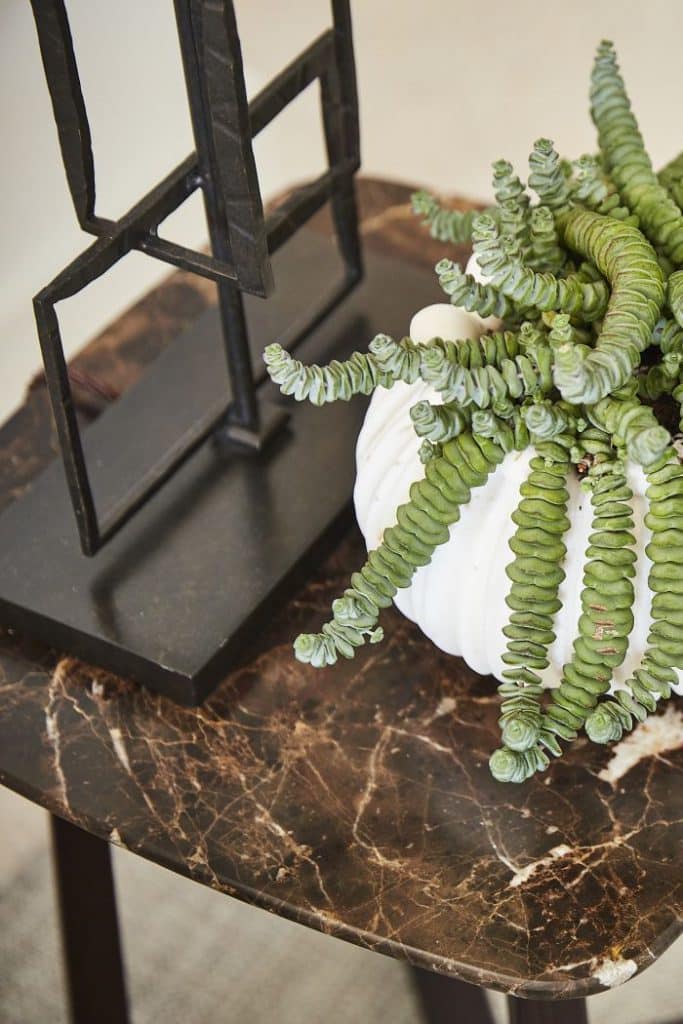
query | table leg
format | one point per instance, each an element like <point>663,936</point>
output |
<point>449,1001</point>
<point>528,1011</point>
<point>90,932</point>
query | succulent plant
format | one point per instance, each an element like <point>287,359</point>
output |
<point>587,283</point>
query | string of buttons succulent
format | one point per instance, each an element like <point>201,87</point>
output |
<point>583,266</point>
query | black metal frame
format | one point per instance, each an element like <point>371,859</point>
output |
<point>242,238</point>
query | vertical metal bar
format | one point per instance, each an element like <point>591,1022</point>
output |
<point>90,931</point>
<point>340,121</point>
<point>64,412</point>
<point>228,124</point>
<point>346,62</point>
<point>68,105</point>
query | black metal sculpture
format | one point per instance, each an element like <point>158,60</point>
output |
<point>176,573</point>
<point>242,240</point>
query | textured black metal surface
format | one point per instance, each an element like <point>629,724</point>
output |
<point>212,59</point>
<point>168,599</point>
<point>242,239</point>
<point>61,71</point>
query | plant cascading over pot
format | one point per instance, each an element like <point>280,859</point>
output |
<point>517,485</point>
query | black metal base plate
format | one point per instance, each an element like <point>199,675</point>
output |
<point>167,601</point>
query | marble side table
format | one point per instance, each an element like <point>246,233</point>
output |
<point>355,801</point>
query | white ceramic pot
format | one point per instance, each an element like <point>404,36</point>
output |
<point>458,600</point>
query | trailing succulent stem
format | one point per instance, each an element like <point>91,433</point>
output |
<point>386,362</point>
<point>630,265</point>
<point>626,159</point>
<point>539,549</point>
<point>653,679</point>
<point>584,270</point>
<point>468,293</point>
<point>454,226</point>
<point>421,525</point>
<point>500,259</point>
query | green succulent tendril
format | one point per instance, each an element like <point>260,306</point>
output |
<point>445,225</point>
<point>583,267</point>
<point>499,258</point>
<point>535,573</point>
<point>630,265</point>
<point>546,253</point>
<point>606,602</point>
<point>671,177</point>
<point>653,679</point>
<point>626,158</point>
<point>634,426</point>
<point>421,525</point>
<point>498,381</point>
<point>594,190</point>
<point>465,291</point>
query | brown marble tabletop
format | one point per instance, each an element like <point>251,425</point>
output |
<point>356,801</point>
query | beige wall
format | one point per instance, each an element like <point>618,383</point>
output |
<point>445,88</point>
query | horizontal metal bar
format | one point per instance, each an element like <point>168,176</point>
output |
<point>161,201</point>
<point>123,235</point>
<point>98,225</point>
<point>297,209</point>
<point>86,268</point>
<point>292,80</point>
<point>187,259</point>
